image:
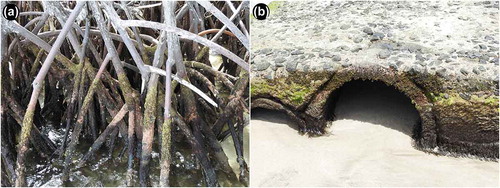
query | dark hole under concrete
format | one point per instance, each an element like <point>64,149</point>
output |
<point>374,102</point>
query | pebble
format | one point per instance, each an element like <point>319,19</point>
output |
<point>269,76</point>
<point>297,52</point>
<point>325,54</point>
<point>441,72</point>
<point>493,48</point>
<point>357,39</point>
<point>384,54</point>
<point>291,66</point>
<point>495,61</point>
<point>483,47</point>
<point>465,96</point>
<point>334,38</point>
<point>399,63</point>
<point>343,47</point>
<point>261,65</point>
<point>356,49</point>
<point>345,26</point>
<point>393,66</point>
<point>442,56</point>
<point>386,46</point>
<point>477,70</point>
<point>306,68</point>
<point>328,66</point>
<point>486,57</point>
<point>377,36</point>
<point>279,61</point>
<point>336,58</point>
<point>435,63</point>
<point>412,48</point>
<point>415,69</point>
<point>464,71</point>
<point>346,64</point>
<point>266,51</point>
<point>419,57</point>
<point>368,31</point>
<point>472,54</point>
<point>488,37</point>
<point>422,63</point>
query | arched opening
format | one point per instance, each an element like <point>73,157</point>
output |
<point>374,102</point>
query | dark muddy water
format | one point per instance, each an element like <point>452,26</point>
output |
<point>105,171</point>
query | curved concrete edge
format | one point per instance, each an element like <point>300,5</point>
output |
<point>450,123</point>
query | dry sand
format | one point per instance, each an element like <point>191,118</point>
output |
<point>369,145</point>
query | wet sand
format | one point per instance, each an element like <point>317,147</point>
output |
<point>369,145</point>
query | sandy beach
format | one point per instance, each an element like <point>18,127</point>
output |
<point>369,145</point>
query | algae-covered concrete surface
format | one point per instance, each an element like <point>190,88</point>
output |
<point>441,55</point>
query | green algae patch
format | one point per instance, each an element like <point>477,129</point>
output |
<point>294,90</point>
<point>445,98</point>
<point>491,100</point>
<point>455,98</point>
<point>275,5</point>
<point>287,92</point>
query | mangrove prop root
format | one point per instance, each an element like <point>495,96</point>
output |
<point>71,106</point>
<point>131,143</point>
<point>28,117</point>
<point>100,140</point>
<point>192,118</point>
<point>239,152</point>
<point>56,80</point>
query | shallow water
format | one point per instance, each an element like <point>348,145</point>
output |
<point>103,171</point>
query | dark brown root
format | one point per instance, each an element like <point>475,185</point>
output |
<point>80,96</point>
